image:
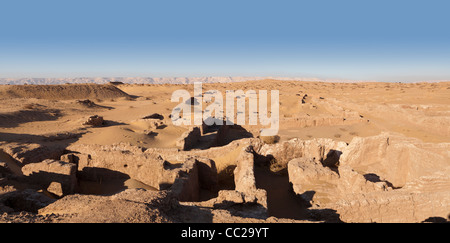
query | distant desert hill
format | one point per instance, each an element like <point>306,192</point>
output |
<point>62,92</point>
<point>153,80</point>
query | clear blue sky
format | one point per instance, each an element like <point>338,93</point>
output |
<point>371,40</point>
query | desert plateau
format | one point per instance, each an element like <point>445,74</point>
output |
<point>344,152</point>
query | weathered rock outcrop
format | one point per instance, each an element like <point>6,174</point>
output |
<point>310,179</point>
<point>27,200</point>
<point>122,161</point>
<point>395,158</point>
<point>132,205</point>
<point>207,173</point>
<point>97,162</point>
<point>31,153</point>
<point>49,171</point>
<point>154,116</point>
<point>56,188</point>
<point>365,185</point>
<point>397,206</point>
<point>244,178</point>
<point>87,103</point>
<point>324,150</point>
<point>189,139</point>
<point>95,121</point>
<point>195,174</point>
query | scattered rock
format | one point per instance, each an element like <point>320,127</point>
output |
<point>317,183</point>
<point>154,116</point>
<point>270,139</point>
<point>228,198</point>
<point>95,121</point>
<point>87,103</point>
<point>56,188</point>
<point>100,163</point>
<point>304,98</point>
<point>244,177</point>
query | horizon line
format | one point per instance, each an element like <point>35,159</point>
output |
<point>178,79</point>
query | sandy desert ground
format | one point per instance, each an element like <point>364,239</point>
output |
<point>345,152</point>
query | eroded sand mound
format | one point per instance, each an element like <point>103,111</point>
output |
<point>62,92</point>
